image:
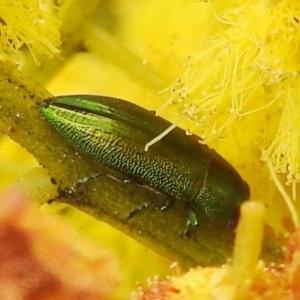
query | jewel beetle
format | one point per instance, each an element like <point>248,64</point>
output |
<point>114,133</point>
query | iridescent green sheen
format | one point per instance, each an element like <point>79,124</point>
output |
<point>114,132</point>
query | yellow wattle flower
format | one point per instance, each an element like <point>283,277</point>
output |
<point>27,23</point>
<point>248,63</point>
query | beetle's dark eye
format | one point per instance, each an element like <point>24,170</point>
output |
<point>234,218</point>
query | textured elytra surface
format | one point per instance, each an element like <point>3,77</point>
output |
<point>114,132</point>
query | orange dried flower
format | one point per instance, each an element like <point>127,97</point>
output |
<point>41,258</point>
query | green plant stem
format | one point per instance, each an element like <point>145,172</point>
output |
<point>107,199</point>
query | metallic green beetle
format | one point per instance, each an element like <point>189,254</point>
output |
<point>114,132</point>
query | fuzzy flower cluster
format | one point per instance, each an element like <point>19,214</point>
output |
<point>244,278</point>
<point>27,23</point>
<point>248,63</point>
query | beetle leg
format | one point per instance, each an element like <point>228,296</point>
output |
<point>167,204</point>
<point>67,192</point>
<point>85,180</point>
<point>138,209</point>
<point>192,219</point>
